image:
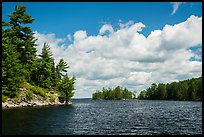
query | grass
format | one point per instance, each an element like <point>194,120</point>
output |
<point>29,95</point>
<point>4,98</point>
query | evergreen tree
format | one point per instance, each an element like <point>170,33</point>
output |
<point>66,88</point>
<point>22,38</point>
<point>142,95</point>
<point>45,67</point>
<point>161,91</point>
<point>182,90</point>
<point>117,93</point>
<point>61,68</point>
<point>11,67</point>
<point>20,63</point>
<point>192,90</point>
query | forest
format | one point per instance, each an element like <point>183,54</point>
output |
<point>21,65</point>
<point>190,90</point>
<point>118,93</point>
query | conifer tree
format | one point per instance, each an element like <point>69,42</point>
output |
<point>61,68</point>
<point>22,38</point>
<point>66,88</point>
<point>45,67</point>
<point>11,67</point>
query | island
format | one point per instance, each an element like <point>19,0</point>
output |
<point>117,93</point>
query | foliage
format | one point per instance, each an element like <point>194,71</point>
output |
<point>61,68</point>
<point>190,89</point>
<point>66,88</point>
<point>52,99</point>
<point>117,93</point>
<point>4,98</point>
<point>23,68</point>
<point>38,91</point>
<point>29,95</point>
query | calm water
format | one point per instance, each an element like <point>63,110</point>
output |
<point>91,117</point>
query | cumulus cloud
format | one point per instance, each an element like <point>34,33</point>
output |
<point>80,35</point>
<point>127,57</point>
<point>175,6</point>
<point>126,24</point>
<point>69,37</point>
<point>106,28</point>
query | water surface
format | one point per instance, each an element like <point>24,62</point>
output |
<point>115,117</point>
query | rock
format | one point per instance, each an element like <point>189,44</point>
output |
<point>36,101</point>
<point>29,105</point>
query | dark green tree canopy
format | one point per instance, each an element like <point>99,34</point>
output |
<point>190,89</point>
<point>20,62</point>
<point>117,93</point>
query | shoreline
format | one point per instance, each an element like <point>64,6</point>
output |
<point>7,105</point>
<point>23,101</point>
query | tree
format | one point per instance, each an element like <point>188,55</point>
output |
<point>67,88</point>
<point>54,78</point>
<point>142,95</point>
<point>199,89</point>
<point>161,91</point>
<point>117,93</point>
<point>192,90</point>
<point>182,90</point>
<point>21,64</point>
<point>11,67</point>
<point>22,38</point>
<point>61,68</point>
<point>45,67</point>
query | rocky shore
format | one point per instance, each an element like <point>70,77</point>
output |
<point>22,101</point>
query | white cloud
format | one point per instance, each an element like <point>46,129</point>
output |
<point>106,28</point>
<point>129,23</point>
<point>80,35</point>
<point>175,6</point>
<point>56,44</point>
<point>127,57</point>
<point>69,37</point>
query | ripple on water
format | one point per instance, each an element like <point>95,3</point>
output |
<point>93,117</point>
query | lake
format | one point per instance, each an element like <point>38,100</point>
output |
<point>104,117</point>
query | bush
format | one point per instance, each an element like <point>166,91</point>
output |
<point>29,95</point>
<point>52,92</point>
<point>25,85</point>
<point>52,99</point>
<point>4,98</point>
<point>39,91</point>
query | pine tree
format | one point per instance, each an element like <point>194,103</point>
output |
<point>61,68</point>
<point>21,64</point>
<point>22,38</point>
<point>67,88</point>
<point>45,67</point>
<point>11,67</point>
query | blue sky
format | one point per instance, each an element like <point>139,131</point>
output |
<point>63,17</point>
<point>131,44</point>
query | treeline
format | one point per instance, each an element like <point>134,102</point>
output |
<point>20,63</point>
<point>117,93</point>
<point>190,89</point>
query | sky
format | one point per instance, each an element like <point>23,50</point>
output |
<point>130,44</point>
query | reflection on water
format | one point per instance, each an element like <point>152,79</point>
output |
<point>92,117</point>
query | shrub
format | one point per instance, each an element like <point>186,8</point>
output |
<point>29,95</point>
<point>52,92</point>
<point>52,99</point>
<point>25,85</point>
<point>4,98</point>
<point>39,91</point>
